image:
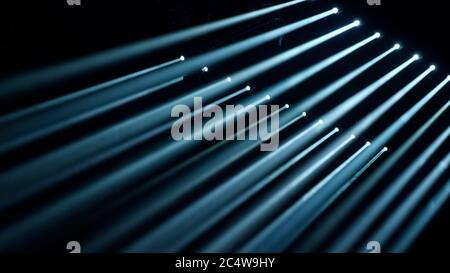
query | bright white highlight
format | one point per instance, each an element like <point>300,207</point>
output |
<point>368,143</point>
<point>205,69</point>
<point>248,88</point>
<point>228,79</point>
<point>287,106</point>
<point>336,130</point>
<point>267,97</point>
<point>335,10</point>
<point>377,35</point>
<point>385,149</point>
<point>304,114</point>
<point>416,57</point>
<point>397,46</point>
<point>432,67</point>
<point>357,23</point>
<point>182,58</point>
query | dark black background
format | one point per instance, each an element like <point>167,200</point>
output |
<point>35,34</point>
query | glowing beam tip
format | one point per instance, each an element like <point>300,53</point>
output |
<point>368,143</point>
<point>267,97</point>
<point>205,69</point>
<point>320,121</point>
<point>416,57</point>
<point>336,130</point>
<point>352,136</point>
<point>182,58</point>
<point>228,79</point>
<point>335,10</point>
<point>304,114</point>
<point>286,106</point>
<point>377,35</point>
<point>385,149</point>
<point>397,46</point>
<point>248,88</point>
<point>432,67</point>
<point>448,78</point>
<point>357,23</point>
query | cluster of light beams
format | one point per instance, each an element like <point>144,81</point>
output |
<point>264,226</point>
<point>92,63</point>
<point>310,243</point>
<point>171,231</point>
<point>283,231</point>
<point>396,218</point>
<point>425,215</point>
<point>298,78</point>
<point>222,194</point>
<point>361,224</point>
<point>79,106</point>
<point>108,139</point>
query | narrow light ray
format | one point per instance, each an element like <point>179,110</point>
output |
<point>393,222</point>
<point>277,236</point>
<point>94,62</point>
<point>201,216</point>
<point>421,219</point>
